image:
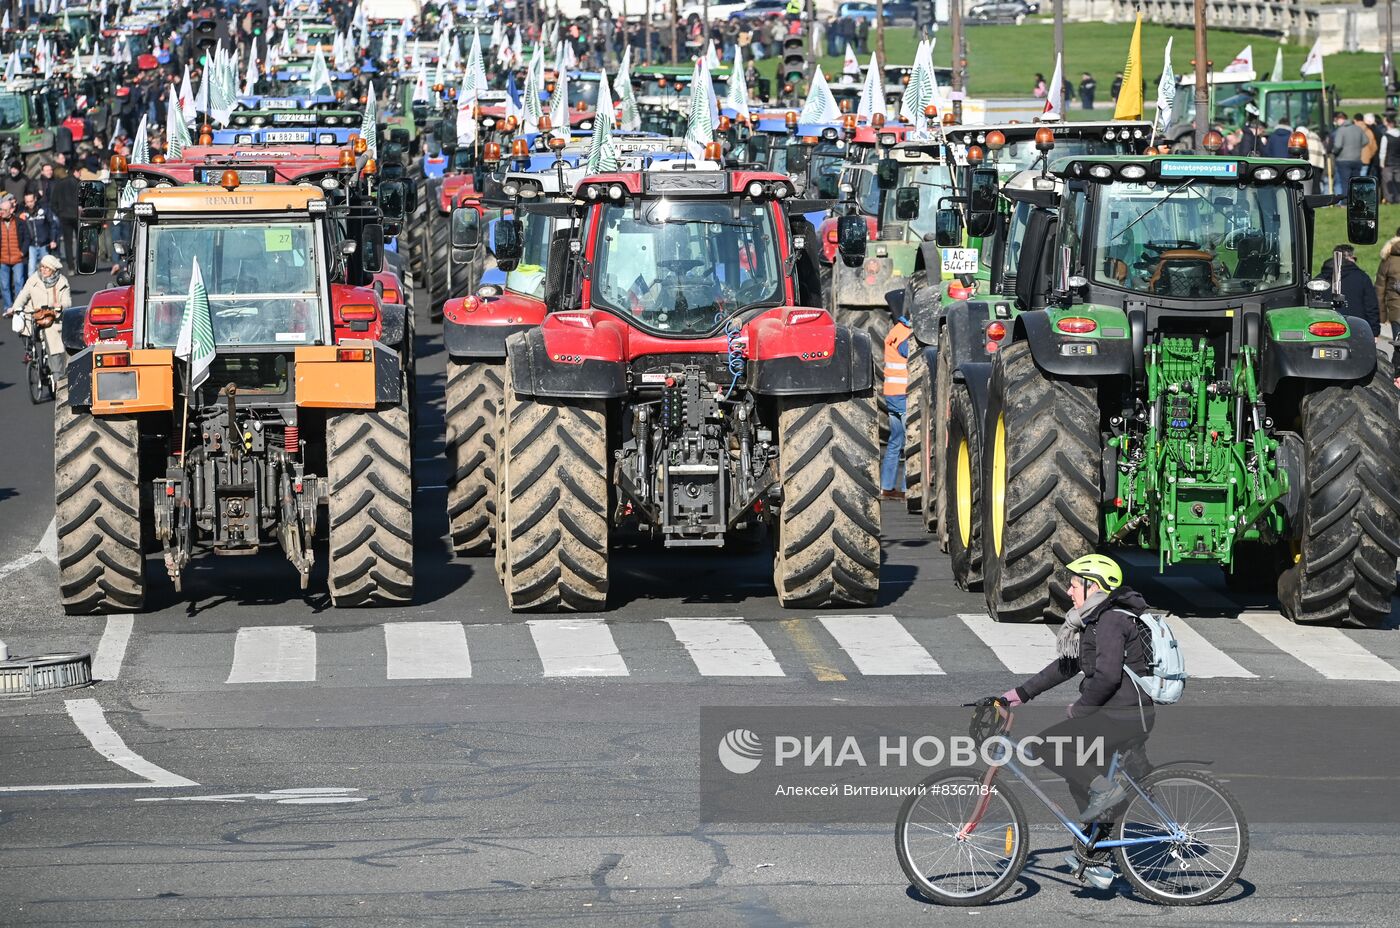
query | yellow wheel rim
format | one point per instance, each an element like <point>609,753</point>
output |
<point>998,487</point>
<point>964,494</point>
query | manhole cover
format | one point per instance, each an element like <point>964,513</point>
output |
<point>25,676</point>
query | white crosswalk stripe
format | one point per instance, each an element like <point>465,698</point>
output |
<point>426,651</point>
<point>1327,650</point>
<point>579,647</point>
<point>879,645</point>
<point>1203,659</point>
<point>725,648</point>
<point>1020,648</point>
<point>274,654</point>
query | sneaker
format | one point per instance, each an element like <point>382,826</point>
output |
<point>1097,876</point>
<point>1103,796</point>
<point>892,494</point>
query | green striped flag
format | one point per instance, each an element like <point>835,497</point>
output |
<point>369,124</point>
<point>177,137</point>
<point>602,152</point>
<point>196,341</point>
<point>700,121</point>
<point>626,98</point>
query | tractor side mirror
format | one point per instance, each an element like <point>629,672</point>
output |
<point>798,157</point>
<point>1363,205</point>
<point>851,236</point>
<point>982,196</point>
<point>947,228</point>
<point>92,199</point>
<point>89,244</point>
<point>393,199</point>
<point>372,248</point>
<point>828,186</point>
<point>510,242</point>
<point>887,173</point>
<point>466,228</point>
<point>906,203</point>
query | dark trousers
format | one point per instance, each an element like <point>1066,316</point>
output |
<point>1117,728</point>
<point>70,241</point>
<point>1345,171</point>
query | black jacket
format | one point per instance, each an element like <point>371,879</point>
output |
<point>1109,643</point>
<point>1358,293</point>
<point>63,197</point>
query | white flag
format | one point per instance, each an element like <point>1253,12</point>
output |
<point>1244,61</point>
<point>737,99</point>
<point>602,150</point>
<point>821,106</point>
<point>250,79</point>
<point>851,67</point>
<point>466,114</point>
<point>872,95</point>
<point>711,57</point>
<point>627,97</point>
<point>1277,76</point>
<point>1166,92</point>
<point>187,104</point>
<point>195,343</point>
<point>1055,96</point>
<point>1313,64</point>
<point>700,123</point>
<point>559,103</point>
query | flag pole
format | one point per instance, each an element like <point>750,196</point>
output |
<point>1322,73</point>
<point>185,417</point>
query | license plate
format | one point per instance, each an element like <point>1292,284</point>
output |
<point>959,260</point>
<point>277,104</point>
<point>295,117</point>
<point>275,136</point>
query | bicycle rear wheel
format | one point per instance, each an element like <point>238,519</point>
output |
<point>1198,867</point>
<point>972,869</point>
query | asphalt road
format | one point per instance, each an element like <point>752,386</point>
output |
<point>254,755</point>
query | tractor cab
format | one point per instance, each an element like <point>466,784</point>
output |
<point>1013,147</point>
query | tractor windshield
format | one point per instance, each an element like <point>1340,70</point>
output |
<point>1021,155</point>
<point>261,280</point>
<point>11,111</point>
<point>527,278</point>
<point>933,181</point>
<point>1193,239</point>
<point>683,266</point>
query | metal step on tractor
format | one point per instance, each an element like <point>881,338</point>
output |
<point>682,389</point>
<point>1190,390</point>
<point>305,404</point>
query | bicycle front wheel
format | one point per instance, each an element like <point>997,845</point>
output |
<point>1204,860</point>
<point>35,375</point>
<point>958,843</point>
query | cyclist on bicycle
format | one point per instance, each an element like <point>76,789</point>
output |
<point>1099,639</point>
<point>47,290</point>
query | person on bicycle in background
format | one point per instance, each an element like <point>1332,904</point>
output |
<point>1100,637</point>
<point>46,290</point>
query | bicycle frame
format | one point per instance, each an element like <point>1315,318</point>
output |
<point>1007,760</point>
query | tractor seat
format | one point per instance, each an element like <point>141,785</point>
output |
<point>1184,272</point>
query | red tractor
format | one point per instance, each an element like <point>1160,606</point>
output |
<point>685,388</point>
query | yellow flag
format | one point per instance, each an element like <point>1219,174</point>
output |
<point>1129,104</point>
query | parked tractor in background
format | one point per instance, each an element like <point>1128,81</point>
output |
<point>306,401</point>
<point>680,390</point>
<point>1189,391</point>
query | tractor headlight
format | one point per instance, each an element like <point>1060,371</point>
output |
<point>1297,173</point>
<point>1265,173</point>
<point>754,189</point>
<point>1133,172</point>
<point>615,192</point>
<point>1100,171</point>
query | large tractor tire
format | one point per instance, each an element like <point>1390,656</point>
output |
<point>474,395</point>
<point>827,543</point>
<point>553,506</point>
<point>1041,486</point>
<point>369,455</point>
<point>915,419</point>
<point>936,459</point>
<point>963,467</point>
<point>97,495</point>
<point>1349,536</point>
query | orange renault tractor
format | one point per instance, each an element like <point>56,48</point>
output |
<point>684,388</point>
<point>301,402</point>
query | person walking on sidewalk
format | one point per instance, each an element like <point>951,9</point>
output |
<point>896,388</point>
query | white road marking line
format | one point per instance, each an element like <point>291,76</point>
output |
<point>1326,650</point>
<point>1204,659</point>
<point>273,654</point>
<point>725,647</point>
<point>88,716</point>
<point>47,550</point>
<point>1020,648</point>
<point>111,650</point>
<point>879,645</point>
<point>426,650</point>
<point>576,648</point>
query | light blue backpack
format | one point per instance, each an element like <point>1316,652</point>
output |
<point>1166,665</point>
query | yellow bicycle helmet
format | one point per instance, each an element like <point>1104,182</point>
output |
<point>1101,569</point>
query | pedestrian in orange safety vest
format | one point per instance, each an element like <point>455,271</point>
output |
<point>896,386</point>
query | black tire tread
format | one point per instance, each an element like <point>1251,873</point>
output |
<point>97,496</point>
<point>370,493</point>
<point>966,561</point>
<point>827,547</point>
<point>475,391</point>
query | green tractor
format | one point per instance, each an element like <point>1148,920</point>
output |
<point>31,120</point>
<point>1189,390</point>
